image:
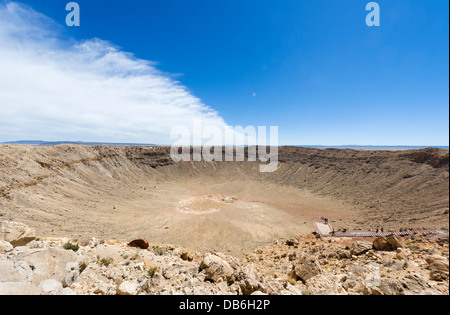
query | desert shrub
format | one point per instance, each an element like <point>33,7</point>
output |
<point>70,246</point>
<point>106,262</point>
<point>152,272</point>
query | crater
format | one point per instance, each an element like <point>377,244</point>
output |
<point>126,193</point>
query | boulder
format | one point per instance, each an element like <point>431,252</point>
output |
<point>292,242</point>
<point>187,256</point>
<point>15,271</point>
<point>7,271</point>
<point>139,243</point>
<point>324,285</point>
<point>249,286</point>
<point>51,286</point>
<point>128,288</point>
<point>415,284</point>
<point>375,291</point>
<point>307,267</point>
<point>391,287</point>
<point>17,234</point>
<point>216,269</point>
<point>394,241</point>
<point>438,275</point>
<point>382,244</point>
<point>344,254</point>
<point>438,263</point>
<point>360,248</point>
<point>48,263</point>
<point>5,247</point>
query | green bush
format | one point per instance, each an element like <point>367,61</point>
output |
<point>152,272</point>
<point>70,246</point>
<point>106,262</point>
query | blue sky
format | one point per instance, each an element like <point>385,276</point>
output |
<point>313,68</point>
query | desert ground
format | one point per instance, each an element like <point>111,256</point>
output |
<point>125,193</point>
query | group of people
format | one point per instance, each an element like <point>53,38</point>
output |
<point>380,230</point>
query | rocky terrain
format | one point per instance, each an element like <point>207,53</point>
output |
<point>233,229</point>
<point>307,265</point>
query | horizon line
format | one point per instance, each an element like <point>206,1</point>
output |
<point>43,143</point>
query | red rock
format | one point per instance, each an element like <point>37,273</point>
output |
<point>140,243</point>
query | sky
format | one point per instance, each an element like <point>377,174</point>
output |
<point>132,71</point>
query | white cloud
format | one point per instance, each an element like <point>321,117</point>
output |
<point>53,88</point>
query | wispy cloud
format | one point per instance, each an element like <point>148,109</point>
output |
<point>53,88</point>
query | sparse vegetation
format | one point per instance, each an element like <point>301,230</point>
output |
<point>106,262</point>
<point>71,246</point>
<point>152,272</point>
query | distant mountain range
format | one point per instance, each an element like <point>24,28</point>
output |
<point>52,143</point>
<point>374,147</point>
<point>361,147</point>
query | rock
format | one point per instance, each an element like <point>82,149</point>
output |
<point>389,243</point>
<point>249,286</point>
<point>391,287</point>
<point>307,267</point>
<point>7,271</point>
<point>48,263</point>
<point>15,271</point>
<point>414,284</point>
<point>93,281</point>
<point>382,244</point>
<point>51,286</point>
<point>216,268</point>
<point>402,254</point>
<point>19,288</point>
<point>362,288</point>
<point>394,241</point>
<point>128,288</point>
<point>439,268</point>
<point>360,248</point>
<point>72,273</point>
<point>438,275</point>
<point>324,285</point>
<point>140,243</point>
<point>5,247</point>
<point>292,242</point>
<point>155,284</point>
<point>438,263</point>
<point>376,291</point>
<point>187,256</point>
<point>17,234</point>
<point>344,254</point>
